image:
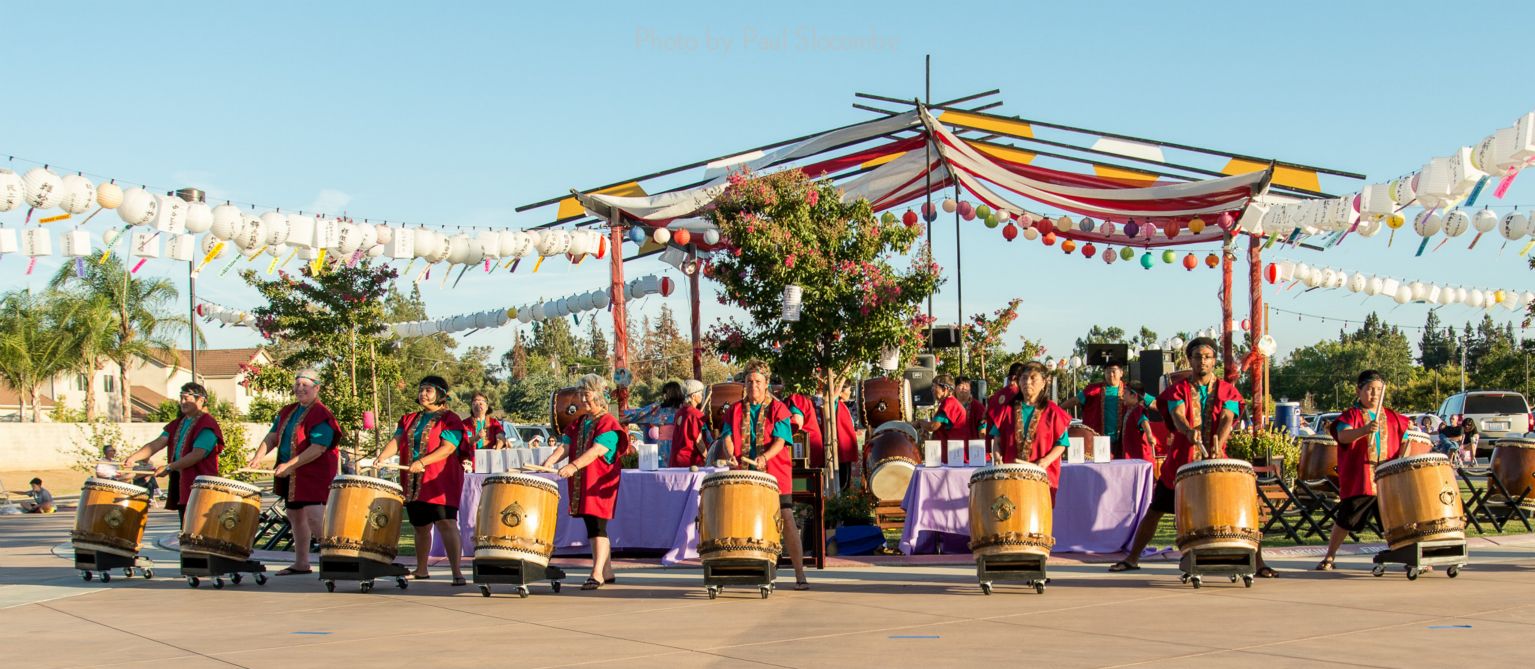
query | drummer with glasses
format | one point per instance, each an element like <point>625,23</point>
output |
<point>1366,438</point>
<point>193,443</point>
<point>304,436</point>
<point>432,448</point>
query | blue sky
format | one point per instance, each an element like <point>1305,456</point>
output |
<point>457,113</point>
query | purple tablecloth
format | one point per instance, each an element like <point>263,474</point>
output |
<point>1096,510</point>
<point>655,510</point>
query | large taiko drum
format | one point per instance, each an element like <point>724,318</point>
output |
<point>884,399</point>
<point>1419,500</point>
<point>111,517</point>
<point>721,397</point>
<point>1513,465</point>
<point>1416,442</point>
<point>362,519</point>
<point>564,409</point>
<point>1318,459</point>
<point>891,456</point>
<point>1010,510</point>
<point>517,517</point>
<point>222,517</point>
<point>738,517</point>
<point>1217,505</point>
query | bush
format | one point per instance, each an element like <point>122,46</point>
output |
<point>63,414</point>
<point>165,413</point>
<point>92,443</point>
<point>850,507</point>
<point>263,409</point>
<point>1275,443</point>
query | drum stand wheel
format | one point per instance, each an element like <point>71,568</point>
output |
<point>1233,563</point>
<point>94,565</point>
<point>517,573</point>
<point>196,566</point>
<point>746,572</point>
<point>366,572</point>
<point>1416,558</point>
<point>1025,568</point>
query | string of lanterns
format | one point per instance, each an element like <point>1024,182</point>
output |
<point>1401,290</point>
<point>540,311</point>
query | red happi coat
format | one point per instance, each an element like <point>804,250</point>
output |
<point>1052,423</point>
<point>688,447</point>
<point>958,428</point>
<point>815,442</point>
<point>781,466</point>
<point>975,416</point>
<point>847,436</point>
<point>208,466</point>
<point>493,432</point>
<point>1094,404</point>
<point>1181,451</point>
<point>594,488</point>
<point>1136,441</point>
<point>443,481</point>
<point>311,482</point>
<point>1357,459</point>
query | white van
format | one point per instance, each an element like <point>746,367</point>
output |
<point>1497,414</point>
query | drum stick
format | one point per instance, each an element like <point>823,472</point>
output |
<point>539,468</point>
<point>247,470</point>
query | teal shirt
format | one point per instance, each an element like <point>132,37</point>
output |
<point>418,435</point>
<point>1110,409</point>
<point>1025,417</point>
<point>1368,414</point>
<point>607,440</point>
<point>205,440</point>
<point>320,434</point>
<point>781,430</point>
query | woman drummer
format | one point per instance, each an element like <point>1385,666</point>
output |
<point>1032,428</point>
<point>481,429</point>
<point>593,443</point>
<point>688,428</point>
<point>195,442</point>
<point>432,448</point>
<point>756,434</point>
<point>1368,434</point>
<point>304,435</point>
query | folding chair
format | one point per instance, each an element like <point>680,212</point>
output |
<point>1278,504</point>
<point>1474,506</point>
<point>274,533</point>
<point>1319,498</point>
<point>1502,506</point>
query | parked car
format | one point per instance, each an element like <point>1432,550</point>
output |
<point>1497,414</point>
<point>1323,421</point>
<point>527,433</point>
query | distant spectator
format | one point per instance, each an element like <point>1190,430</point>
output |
<point>41,501</point>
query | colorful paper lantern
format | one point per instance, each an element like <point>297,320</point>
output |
<point>1271,273</point>
<point>681,237</point>
<point>1010,232</point>
<point>1132,229</point>
<point>1086,225</point>
<point>950,206</point>
<point>991,221</point>
<point>1068,246</point>
<point>1048,239</point>
<point>1089,250</point>
<point>1126,253</point>
<point>1146,260</point>
<point>1212,260</point>
<point>929,212</point>
<point>1197,225</point>
<point>1030,234</point>
<point>108,195</point>
<point>966,210</point>
<point>909,218</point>
<point>1109,256</point>
<point>888,218</point>
<point>637,235</point>
<point>983,211</point>
<point>1107,228</point>
<point>1190,262</point>
<point>1168,257</point>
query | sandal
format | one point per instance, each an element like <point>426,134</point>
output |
<point>1124,565</point>
<point>802,585</point>
<point>289,571</point>
<point>419,577</point>
<point>591,584</point>
<point>606,581</point>
<point>1266,572</point>
<point>1324,565</point>
<point>459,580</point>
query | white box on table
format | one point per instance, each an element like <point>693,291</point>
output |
<point>932,453</point>
<point>1076,453</point>
<point>484,461</point>
<point>650,455</point>
<point>977,448</point>
<point>1102,451</point>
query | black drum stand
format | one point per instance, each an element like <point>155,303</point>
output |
<point>1025,568</point>
<point>1414,557</point>
<point>740,571</point>
<point>1233,563</point>
<point>197,566</point>
<point>518,573</point>
<point>96,564</point>
<point>362,570</point>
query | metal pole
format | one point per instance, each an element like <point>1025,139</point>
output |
<point>192,195</point>
<point>927,148</point>
<point>959,280</point>
<point>698,351</point>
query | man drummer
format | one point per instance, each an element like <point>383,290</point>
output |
<point>194,442</point>
<point>305,436</point>
<point>688,427</point>
<point>1032,428</point>
<point>756,434</point>
<point>1376,439</point>
<point>432,448</point>
<point>481,429</point>
<point>1196,435</point>
<point>1103,402</point>
<point>806,420</point>
<point>593,445</point>
<point>950,420</point>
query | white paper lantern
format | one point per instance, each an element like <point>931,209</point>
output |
<point>274,250</point>
<point>12,191</point>
<point>402,243</point>
<point>1356,282</point>
<point>382,234</point>
<point>711,237</point>
<point>208,243</point>
<point>8,242</point>
<point>601,300</point>
<point>1403,295</point>
<point>1456,223</point>
<point>538,311</point>
<point>1373,285</point>
<point>1427,223</point>
<point>1475,299</point>
<point>109,195</point>
<point>1462,296</point>
<point>146,244</point>
<point>274,226</point>
<point>138,207</point>
<point>326,231</point>
<point>36,242</point>
<point>376,251</point>
<point>1435,185</point>
<point>489,243</point>
<point>1484,221</point>
<point>182,248</point>
<point>348,239</point>
<point>1435,294</point>
<point>76,243</point>
<point>524,315</point>
<point>227,221</point>
<point>554,242</point>
<point>1368,228</point>
<point>251,236</point>
<point>1329,275</point>
<point>661,235</point>
<point>1495,154</point>
<point>510,243</point>
<point>199,217</point>
<point>1511,300</point>
<point>1489,299</point>
<point>1514,225</point>
<point>1401,190</point>
<point>440,253</point>
<point>1419,290</point>
<point>458,249</point>
<point>425,243</point>
<point>172,216</point>
<point>44,189</point>
<point>1030,234</point>
<point>79,194</point>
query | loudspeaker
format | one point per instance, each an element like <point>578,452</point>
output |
<point>944,336</point>
<point>978,389</point>
<point>1150,368</point>
<point>1103,355</point>
<point>927,360</point>
<point>921,380</point>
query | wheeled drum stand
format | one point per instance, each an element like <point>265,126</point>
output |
<point>1025,568</point>
<point>362,570</point>
<point>1234,563</point>
<point>518,573</point>
<point>740,571</point>
<point>97,564</point>
<point>197,566</point>
<point>1416,556</point>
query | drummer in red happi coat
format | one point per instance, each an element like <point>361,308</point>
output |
<point>593,444</point>
<point>305,436</point>
<point>1368,434</point>
<point>432,448</point>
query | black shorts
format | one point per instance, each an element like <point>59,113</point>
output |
<point>595,527</point>
<point>1163,499</point>
<point>786,501</point>
<point>1354,513</point>
<point>422,513</point>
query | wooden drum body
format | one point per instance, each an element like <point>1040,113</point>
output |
<point>362,519</point>
<point>1416,442</point>
<point>1513,464</point>
<point>1318,459</point>
<point>111,517</point>
<point>1010,511</point>
<point>1217,506</point>
<point>891,457</point>
<point>722,396</point>
<point>564,409</point>
<point>517,517</point>
<point>1419,500</point>
<point>885,399</point>
<point>222,517</point>
<point>738,517</point>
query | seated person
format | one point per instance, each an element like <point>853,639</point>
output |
<point>39,499</point>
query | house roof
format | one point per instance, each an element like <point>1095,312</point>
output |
<point>144,401</point>
<point>216,363</point>
<point>10,398</point>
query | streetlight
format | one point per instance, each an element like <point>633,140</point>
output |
<point>192,195</point>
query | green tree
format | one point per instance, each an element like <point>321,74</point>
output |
<point>89,323</point>
<point>32,347</point>
<point>784,229</point>
<point>144,320</point>
<point>1437,346</point>
<point>982,336</point>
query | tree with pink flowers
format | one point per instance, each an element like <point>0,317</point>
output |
<point>784,229</point>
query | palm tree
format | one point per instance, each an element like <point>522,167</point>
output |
<point>89,322</point>
<point>144,325</point>
<point>31,352</point>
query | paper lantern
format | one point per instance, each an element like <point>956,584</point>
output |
<point>7,240</point>
<point>929,212</point>
<point>251,235</point>
<point>682,237</point>
<point>377,251</point>
<point>1514,225</point>
<point>138,207</point>
<point>1146,260</point>
<point>983,211</point>
<point>171,217</point>
<point>1212,260</point>
<point>1168,257</point>
<point>1030,234</point>
<point>1396,221</point>
<point>461,250</point>
<point>1475,299</point>
<point>1132,229</point>
<point>1462,296</point>
<point>637,235</point>
<point>1107,228</point>
<point>1126,253</point>
<point>660,235</point>
<point>990,221</point>
<point>1068,246</point>
<point>1190,262</point>
<point>1048,239</point>
<point>1197,225</point>
<point>199,217</point>
<point>76,243</point>
<point>1172,228</point>
<point>1356,282</point>
<point>557,242</point>
<point>1086,225</point>
<point>12,191</point>
<point>1484,221</point>
<point>524,315</point>
<point>1369,228</point>
<point>145,244</point>
<point>43,188</point>
<point>108,195</point>
<point>1109,256</point>
<point>1003,215</point>
<point>182,248</point>
<point>667,286</point>
<point>909,218</point>
<point>36,242</point>
<point>78,194</point>
<point>1010,232</point>
<point>1088,250</point>
<point>443,247</point>
<point>1419,290</point>
<point>1271,273</point>
<point>1063,224</point>
<point>950,205</point>
<point>1427,223</point>
<point>966,210</point>
<point>227,221</point>
<point>1455,223</point>
<point>1401,190</point>
<point>1329,275</point>
<point>348,238</point>
<point>711,237</point>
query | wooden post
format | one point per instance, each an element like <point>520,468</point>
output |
<point>697,331</point>
<point>1257,325</point>
<point>1228,258</point>
<point>616,287</point>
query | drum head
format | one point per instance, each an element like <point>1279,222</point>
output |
<point>355,479</point>
<point>514,478</point>
<point>890,479</point>
<point>215,480</point>
<point>1417,435</point>
<point>117,486</point>
<point>898,426</point>
<point>1216,463</point>
<point>1515,442</point>
<point>1411,462</point>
